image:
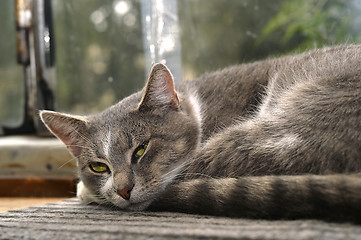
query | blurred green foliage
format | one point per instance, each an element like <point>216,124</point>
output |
<point>99,54</point>
<point>219,33</point>
<point>313,23</point>
<point>216,33</point>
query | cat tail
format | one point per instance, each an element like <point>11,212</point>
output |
<point>327,197</point>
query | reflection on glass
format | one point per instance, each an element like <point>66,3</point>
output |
<point>161,35</point>
<point>11,82</point>
<point>100,53</point>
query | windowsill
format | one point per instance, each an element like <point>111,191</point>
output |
<point>35,157</point>
<point>34,166</point>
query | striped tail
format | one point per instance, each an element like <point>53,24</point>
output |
<point>328,197</point>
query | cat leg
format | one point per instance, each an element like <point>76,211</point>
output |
<point>273,146</point>
<point>241,150</point>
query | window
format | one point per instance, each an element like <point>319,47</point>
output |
<point>103,50</point>
<point>11,74</point>
<point>100,53</point>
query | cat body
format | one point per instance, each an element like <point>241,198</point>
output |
<point>278,138</point>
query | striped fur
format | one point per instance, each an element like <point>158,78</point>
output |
<point>328,197</point>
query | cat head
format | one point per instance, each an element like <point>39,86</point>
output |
<point>129,153</point>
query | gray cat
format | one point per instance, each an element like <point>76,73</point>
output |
<point>278,138</point>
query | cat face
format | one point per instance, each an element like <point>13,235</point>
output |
<point>128,154</point>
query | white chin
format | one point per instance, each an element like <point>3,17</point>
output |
<point>138,206</point>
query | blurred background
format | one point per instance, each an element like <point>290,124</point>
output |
<point>101,52</point>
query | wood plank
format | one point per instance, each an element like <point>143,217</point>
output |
<point>37,187</point>
<point>35,156</point>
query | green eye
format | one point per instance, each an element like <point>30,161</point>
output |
<point>99,167</point>
<point>139,151</point>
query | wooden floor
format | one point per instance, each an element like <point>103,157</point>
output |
<point>7,204</point>
<point>70,220</point>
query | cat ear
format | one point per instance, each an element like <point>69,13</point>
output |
<point>69,129</point>
<point>159,91</point>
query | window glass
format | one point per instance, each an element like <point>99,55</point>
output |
<point>217,33</point>
<point>11,74</point>
<point>99,56</point>
<point>99,44</point>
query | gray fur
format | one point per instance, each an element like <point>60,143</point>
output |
<point>210,140</point>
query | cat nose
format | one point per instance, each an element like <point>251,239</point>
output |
<point>125,192</point>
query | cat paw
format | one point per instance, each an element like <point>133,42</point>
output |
<point>84,195</point>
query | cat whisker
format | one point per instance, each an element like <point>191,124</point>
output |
<point>172,174</point>
<point>200,175</point>
<point>86,140</point>
<point>81,146</point>
<point>70,160</point>
<point>186,173</point>
<point>99,199</point>
<point>73,158</point>
<point>176,169</point>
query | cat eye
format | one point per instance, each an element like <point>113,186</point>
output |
<point>99,167</point>
<point>139,151</point>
